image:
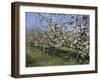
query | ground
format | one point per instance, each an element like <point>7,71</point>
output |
<point>61,56</point>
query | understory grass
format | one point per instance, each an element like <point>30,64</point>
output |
<point>52,57</point>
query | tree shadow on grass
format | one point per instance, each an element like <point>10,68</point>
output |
<point>31,61</point>
<point>64,54</point>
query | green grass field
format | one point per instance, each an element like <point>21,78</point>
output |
<point>52,57</point>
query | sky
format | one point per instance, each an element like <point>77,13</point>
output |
<point>32,18</point>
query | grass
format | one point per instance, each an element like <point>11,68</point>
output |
<point>67,49</point>
<point>37,57</point>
